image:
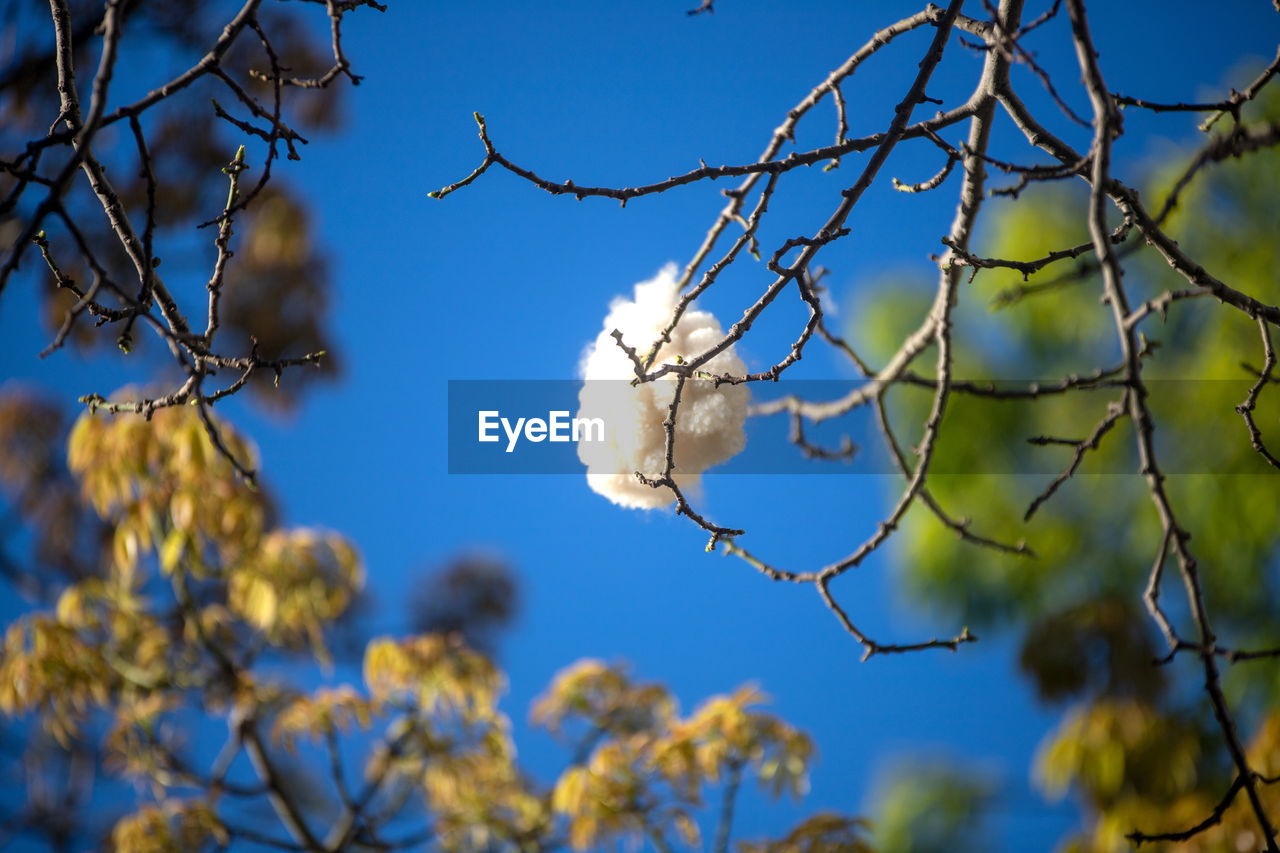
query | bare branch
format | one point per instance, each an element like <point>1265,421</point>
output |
<point>1246,408</point>
<point>1115,411</point>
<point>1106,124</point>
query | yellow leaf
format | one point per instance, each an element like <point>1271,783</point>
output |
<point>171,553</point>
<point>567,798</point>
<point>182,509</point>
<point>124,548</point>
<point>71,605</point>
<point>687,829</point>
<point>261,604</point>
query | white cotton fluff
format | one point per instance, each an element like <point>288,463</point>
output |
<point>709,424</point>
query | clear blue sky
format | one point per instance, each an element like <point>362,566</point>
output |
<point>501,281</point>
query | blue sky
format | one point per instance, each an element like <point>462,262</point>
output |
<point>501,281</point>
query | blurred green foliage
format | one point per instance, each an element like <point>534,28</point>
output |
<point>928,806</point>
<point>1137,747</point>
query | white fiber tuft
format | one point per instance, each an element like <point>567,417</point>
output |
<point>709,425</point>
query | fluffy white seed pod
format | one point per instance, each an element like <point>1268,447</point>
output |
<point>709,425</point>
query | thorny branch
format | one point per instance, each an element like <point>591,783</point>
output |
<point>1215,817</point>
<point>1106,127</point>
<point>1115,411</point>
<point>111,301</point>
<point>1000,41</point>
<point>1246,408</point>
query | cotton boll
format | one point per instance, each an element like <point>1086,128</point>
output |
<point>709,425</point>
